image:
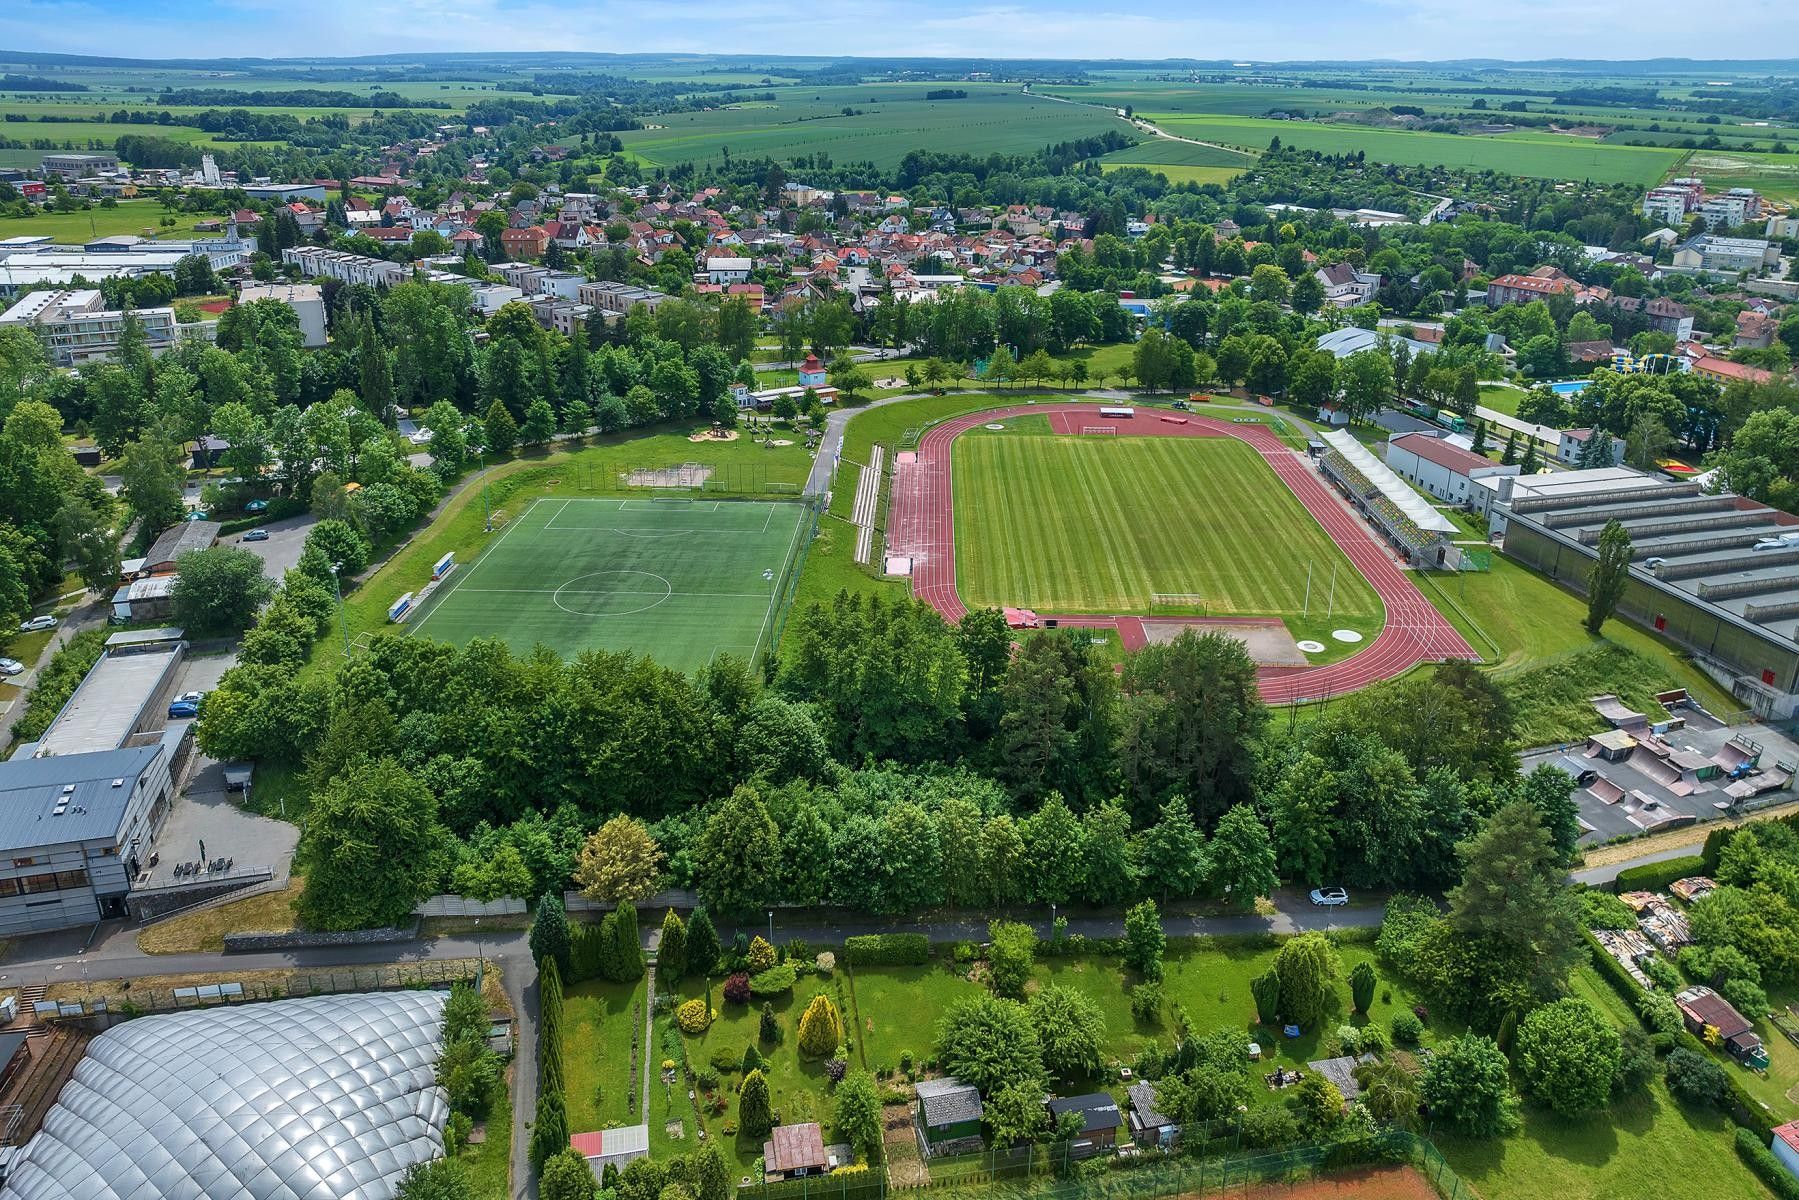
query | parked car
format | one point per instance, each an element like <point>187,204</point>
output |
<point>257,506</point>
<point>257,535</point>
<point>187,704</point>
<point>1330,897</point>
<point>36,623</point>
<point>11,666</point>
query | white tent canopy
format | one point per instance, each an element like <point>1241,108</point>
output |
<point>1418,510</point>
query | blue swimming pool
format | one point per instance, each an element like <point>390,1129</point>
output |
<point>1569,387</point>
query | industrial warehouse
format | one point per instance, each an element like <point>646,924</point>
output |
<point>1718,573</point>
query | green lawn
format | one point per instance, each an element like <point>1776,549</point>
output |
<point>1071,524</point>
<point>1500,399</point>
<point>590,470</point>
<point>897,1008</point>
<point>596,1053</point>
<point>682,581</point>
<point>1646,1147</point>
<point>74,228</point>
<point>1520,620</point>
<point>489,1165</point>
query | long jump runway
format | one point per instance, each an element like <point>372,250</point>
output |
<point>922,526</point>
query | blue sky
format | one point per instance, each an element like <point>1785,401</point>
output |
<point>1275,29</point>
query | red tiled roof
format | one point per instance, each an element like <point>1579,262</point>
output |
<point>1723,368</point>
<point>1439,451</point>
<point>791,1147</point>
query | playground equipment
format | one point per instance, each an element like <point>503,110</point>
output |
<point>1626,363</point>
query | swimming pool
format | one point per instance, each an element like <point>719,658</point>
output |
<point>1569,387</point>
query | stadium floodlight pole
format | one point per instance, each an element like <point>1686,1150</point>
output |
<point>337,583</point>
<point>1331,608</point>
<point>1307,610</point>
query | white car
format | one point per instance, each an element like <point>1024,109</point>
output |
<point>11,666</point>
<point>1329,897</point>
<point>36,623</point>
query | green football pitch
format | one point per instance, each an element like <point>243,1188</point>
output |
<point>681,581</point>
<point>1098,525</point>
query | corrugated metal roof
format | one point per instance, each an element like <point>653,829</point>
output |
<point>948,1101</point>
<point>105,708</point>
<point>179,539</point>
<point>31,790</point>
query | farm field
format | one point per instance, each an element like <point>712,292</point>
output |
<point>1539,155</point>
<point>1095,525</point>
<point>890,123</point>
<point>1181,162</point>
<point>680,580</point>
<point>1178,173</point>
<point>1774,175</point>
<point>81,133</point>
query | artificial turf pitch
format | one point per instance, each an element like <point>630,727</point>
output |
<point>680,581</point>
<point>1097,524</point>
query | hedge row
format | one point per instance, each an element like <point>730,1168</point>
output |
<point>1770,1170</point>
<point>1655,877</point>
<point>887,950</point>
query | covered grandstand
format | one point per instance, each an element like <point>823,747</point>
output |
<point>1410,522</point>
<point>1713,571</point>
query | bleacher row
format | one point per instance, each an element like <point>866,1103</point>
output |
<point>1401,528</point>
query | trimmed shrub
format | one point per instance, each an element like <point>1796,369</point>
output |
<point>1361,986</point>
<point>887,950</point>
<point>1407,1029</point>
<point>774,981</point>
<point>737,988</point>
<point>694,1016</point>
<point>1655,877</point>
<point>1698,1079</point>
<point>821,1027</point>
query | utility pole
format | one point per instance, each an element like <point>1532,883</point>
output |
<point>343,623</point>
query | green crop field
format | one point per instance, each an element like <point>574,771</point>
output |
<point>1539,155</point>
<point>888,123</point>
<point>680,581</point>
<point>1095,525</point>
<point>1181,162</point>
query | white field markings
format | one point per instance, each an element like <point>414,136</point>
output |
<point>462,577</point>
<point>551,523</point>
<point>780,581</point>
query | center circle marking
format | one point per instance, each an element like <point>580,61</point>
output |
<point>610,601</point>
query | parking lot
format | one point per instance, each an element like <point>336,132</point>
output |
<point>287,537</point>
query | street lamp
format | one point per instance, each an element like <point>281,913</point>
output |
<point>771,926</point>
<point>486,512</point>
<point>480,958</point>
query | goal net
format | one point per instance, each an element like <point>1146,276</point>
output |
<point>1187,603</point>
<point>1100,430</point>
<point>671,496</point>
<point>360,644</point>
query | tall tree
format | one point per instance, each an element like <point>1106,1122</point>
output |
<point>1241,857</point>
<point>370,842</point>
<point>1610,575</point>
<point>619,861</point>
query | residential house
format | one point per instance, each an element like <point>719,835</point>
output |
<point>1522,289</point>
<point>1755,330</point>
<point>527,242</point>
<point>1726,372</point>
<point>949,1116</point>
<point>1573,443</point>
<point>1346,287</point>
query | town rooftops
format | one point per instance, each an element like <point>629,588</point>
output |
<point>1439,451</point>
<point>795,1148</point>
<point>948,1101</point>
<point>1097,1110</point>
<point>68,798</point>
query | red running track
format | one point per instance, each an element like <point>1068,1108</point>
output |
<point>923,526</point>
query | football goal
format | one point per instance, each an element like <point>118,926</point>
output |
<point>1100,430</point>
<point>1185,603</point>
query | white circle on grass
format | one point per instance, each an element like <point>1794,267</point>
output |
<point>1346,635</point>
<point>1310,647</point>
<point>612,593</point>
<point>996,428</point>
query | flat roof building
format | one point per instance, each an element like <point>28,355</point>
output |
<point>1716,573</point>
<point>77,327</point>
<point>1444,470</point>
<point>306,301</point>
<point>74,166</point>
